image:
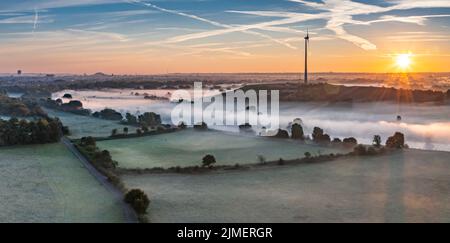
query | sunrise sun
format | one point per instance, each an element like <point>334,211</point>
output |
<point>403,61</point>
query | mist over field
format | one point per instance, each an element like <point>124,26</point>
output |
<point>425,126</point>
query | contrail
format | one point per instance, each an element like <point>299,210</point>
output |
<point>217,24</point>
<point>36,19</point>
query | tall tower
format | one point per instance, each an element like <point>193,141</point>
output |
<point>306,56</point>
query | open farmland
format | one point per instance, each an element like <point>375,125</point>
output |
<point>410,186</point>
<point>46,183</point>
<point>188,147</point>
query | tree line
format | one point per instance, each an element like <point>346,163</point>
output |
<point>23,132</point>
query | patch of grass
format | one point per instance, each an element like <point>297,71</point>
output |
<point>404,186</point>
<point>46,183</point>
<point>188,147</point>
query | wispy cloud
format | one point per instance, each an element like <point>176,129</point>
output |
<point>339,13</point>
<point>28,19</point>
<point>36,19</point>
<point>226,28</point>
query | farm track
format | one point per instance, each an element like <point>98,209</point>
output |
<point>129,214</point>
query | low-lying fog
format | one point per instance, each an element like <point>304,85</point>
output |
<point>425,126</point>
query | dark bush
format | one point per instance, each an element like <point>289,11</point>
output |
<point>201,126</point>
<point>138,200</point>
<point>397,141</point>
<point>282,134</point>
<point>208,161</point>
<point>350,142</point>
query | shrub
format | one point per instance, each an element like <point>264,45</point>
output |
<point>282,134</point>
<point>261,159</point>
<point>88,141</point>
<point>201,126</point>
<point>182,125</point>
<point>138,200</point>
<point>208,161</point>
<point>308,155</point>
<point>350,142</point>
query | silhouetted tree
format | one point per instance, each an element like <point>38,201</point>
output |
<point>108,114</point>
<point>114,132</point>
<point>297,131</point>
<point>149,119</point>
<point>376,140</point>
<point>208,161</point>
<point>397,141</point>
<point>319,136</point>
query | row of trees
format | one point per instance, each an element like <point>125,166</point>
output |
<point>148,119</point>
<point>23,132</point>
<point>100,158</point>
<point>320,137</point>
<point>73,106</point>
<point>103,161</point>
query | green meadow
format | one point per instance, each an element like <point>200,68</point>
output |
<point>188,147</point>
<point>46,183</point>
<point>410,186</point>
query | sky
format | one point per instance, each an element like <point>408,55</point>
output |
<point>207,36</point>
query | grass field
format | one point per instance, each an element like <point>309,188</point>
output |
<point>81,126</point>
<point>46,183</point>
<point>413,186</point>
<point>188,147</point>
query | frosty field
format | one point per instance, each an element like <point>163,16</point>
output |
<point>81,126</point>
<point>405,187</point>
<point>188,147</point>
<point>46,183</point>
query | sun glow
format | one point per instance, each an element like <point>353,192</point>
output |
<point>403,61</point>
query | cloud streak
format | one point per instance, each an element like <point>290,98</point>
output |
<point>339,13</point>
<point>226,28</point>
<point>36,20</point>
